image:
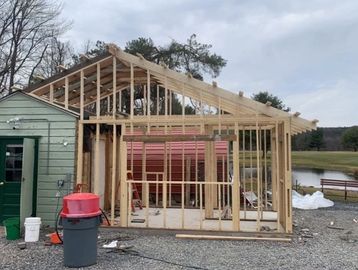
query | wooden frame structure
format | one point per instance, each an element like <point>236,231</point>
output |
<point>135,106</point>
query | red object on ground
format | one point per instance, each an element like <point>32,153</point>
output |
<point>80,205</point>
<point>55,239</point>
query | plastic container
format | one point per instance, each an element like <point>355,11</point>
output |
<point>12,228</point>
<point>80,241</point>
<point>80,218</point>
<point>80,205</point>
<point>32,229</point>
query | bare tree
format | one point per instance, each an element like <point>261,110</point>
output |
<point>27,29</point>
<point>55,54</point>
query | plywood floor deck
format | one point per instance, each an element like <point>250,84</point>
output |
<point>192,219</point>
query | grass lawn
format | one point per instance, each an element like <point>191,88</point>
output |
<point>329,160</point>
<point>343,161</point>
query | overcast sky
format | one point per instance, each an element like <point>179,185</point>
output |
<point>305,52</point>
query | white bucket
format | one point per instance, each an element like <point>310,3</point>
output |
<point>32,229</point>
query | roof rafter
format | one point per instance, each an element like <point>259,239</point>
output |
<point>208,88</point>
<point>182,84</point>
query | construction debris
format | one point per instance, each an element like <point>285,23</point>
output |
<point>349,236</point>
<point>156,212</point>
<point>121,248</point>
<point>21,245</point>
<point>124,249</point>
<point>265,228</point>
<point>309,202</point>
<point>305,233</point>
<point>335,227</point>
<point>228,237</point>
<point>112,244</point>
<point>117,238</point>
<point>129,250</point>
<point>226,212</point>
<point>332,225</point>
<point>138,220</point>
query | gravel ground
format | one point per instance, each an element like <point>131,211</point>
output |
<point>326,250</point>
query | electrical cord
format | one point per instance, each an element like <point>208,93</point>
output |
<point>168,262</point>
<point>105,216</point>
<point>132,252</point>
<point>128,251</point>
<point>58,217</point>
<point>59,195</point>
<point>56,225</point>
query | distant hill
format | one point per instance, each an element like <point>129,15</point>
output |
<point>331,140</point>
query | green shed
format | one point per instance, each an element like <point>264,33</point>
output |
<point>37,156</point>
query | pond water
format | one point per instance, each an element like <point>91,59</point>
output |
<point>308,177</point>
<point>311,177</point>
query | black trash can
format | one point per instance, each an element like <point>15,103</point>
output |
<point>80,219</point>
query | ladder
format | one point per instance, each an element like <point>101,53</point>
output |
<point>136,201</point>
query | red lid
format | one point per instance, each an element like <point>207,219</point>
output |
<point>80,205</point>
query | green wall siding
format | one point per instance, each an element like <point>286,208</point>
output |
<point>61,158</point>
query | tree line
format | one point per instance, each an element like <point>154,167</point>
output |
<point>322,139</point>
<point>327,139</point>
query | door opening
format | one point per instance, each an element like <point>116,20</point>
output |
<point>11,159</point>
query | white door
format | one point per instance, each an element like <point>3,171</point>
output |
<point>27,179</point>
